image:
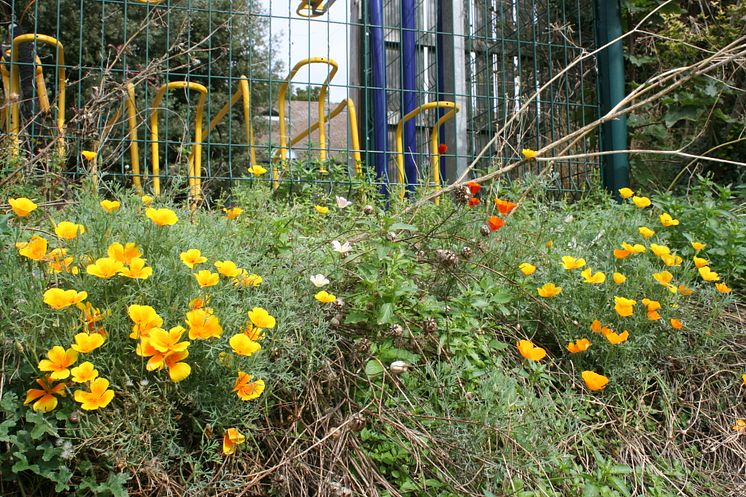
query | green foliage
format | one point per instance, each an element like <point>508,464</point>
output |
<point>706,115</point>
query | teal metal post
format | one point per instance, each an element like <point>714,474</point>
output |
<point>614,167</point>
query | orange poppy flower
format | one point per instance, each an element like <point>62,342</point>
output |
<point>505,206</point>
<point>474,201</point>
<point>495,223</point>
<point>474,187</point>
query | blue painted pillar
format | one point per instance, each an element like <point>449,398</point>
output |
<point>380,107</point>
<point>409,88</point>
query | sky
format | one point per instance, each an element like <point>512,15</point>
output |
<point>301,38</point>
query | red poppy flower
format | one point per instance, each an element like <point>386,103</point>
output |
<point>442,148</point>
<point>474,187</point>
<point>505,206</point>
<point>495,223</point>
<point>473,201</point>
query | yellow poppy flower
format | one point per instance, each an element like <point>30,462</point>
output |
<point>637,248</point>
<point>246,279</point>
<point>698,246</point>
<point>243,345</point>
<point>124,253</point>
<point>247,389</point>
<point>593,279</point>
<point>641,202</point>
<point>527,269</point>
<point>137,270</point>
<point>529,153</point>
<point>659,250</point>
<point>57,298</point>
<point>667,220</point>
<point>88,155</point>
<point>84,373</point>
<point>685,291</point>
<point>44,399</point>
<point>618,278</point>
<point>321,209</point>
<point>624,307</point>
<point>708,274</point>
<point>203,324</point>
<point>161,217</point>
<point>227,268</point>
<point>645,231</point>
<point>232,438</point>
<point>671,260</point>
<point>723,288</point>
<point>529,351</point>
<point>35,249</point>
<point>617,338</point>
<point>105,268</point>
<point>549,290</point>
<point>324,297</point>
<point>206,278</point>
<point>58,362</point>
<point>257,170</point>
<point>700,262</point>
<point>626,192</point>
<point>144,318</point>
<point>676,324</point>
<point>740,425</point>
<point>578,346</point>
<point>178,370</point>
<point>621,254</point>
<point>110,206</point>
<point>166,342</point>
<point>594,381</point>
<point>98,397</point>
<point>87,342</point>
<point>69,231</point>
<point>233,212</point>
<point>192,257</point>
<point>22,206</point>
<point>261,318</point>
<point>146,200</point>
<point>569,262</point>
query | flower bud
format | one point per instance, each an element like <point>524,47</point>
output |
<point>398,367</point>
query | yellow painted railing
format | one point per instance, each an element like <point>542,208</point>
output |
<point>129,103</point>
<point>282,105</point>
<point>195,169</point>
<point>244,95</point>
<point>434,138</point>
<point>313,8</point>
<point>15,89</point>
<point>354,138</point>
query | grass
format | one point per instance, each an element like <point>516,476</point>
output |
<point>470,416</point>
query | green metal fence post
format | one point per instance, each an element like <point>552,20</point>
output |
<point>615,167</point>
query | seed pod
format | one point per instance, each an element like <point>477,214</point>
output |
<point>357,423</point>
<point>461,194</point>
<point>447,258</point>
<point>338,305</point>
<point>398,367</point>
<point>430,325</point>
<point>362,346</point>
<point>396,330</point>
<point>484,230</point>
<point>368,210</point>
<point>466,252</point>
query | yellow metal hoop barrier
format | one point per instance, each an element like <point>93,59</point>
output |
<point>244,94</point>
<point>15,92</point>
<point>313,8</point>
<point>282,104</point>
<point>195,168</point>
<point>434,138</point>
<point>41,89</point>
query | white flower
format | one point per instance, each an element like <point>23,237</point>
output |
<point>343,202</point>
<point>319,280</point>
<point>342,248</point>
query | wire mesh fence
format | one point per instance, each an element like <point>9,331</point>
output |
<point>193,93</point>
